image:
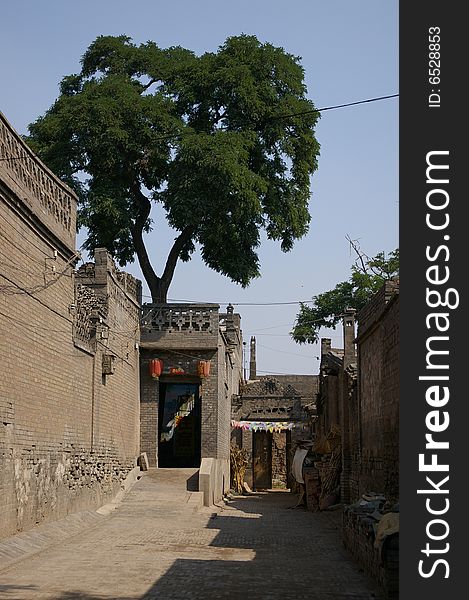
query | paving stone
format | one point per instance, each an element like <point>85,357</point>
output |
<point>155,546</point>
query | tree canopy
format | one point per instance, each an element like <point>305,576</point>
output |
<point>223,141</point>
<point>327,309</point>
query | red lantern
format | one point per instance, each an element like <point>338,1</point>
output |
<point>203,368</point>
<point>156,367</point>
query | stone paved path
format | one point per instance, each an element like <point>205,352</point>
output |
<point>158,545</point>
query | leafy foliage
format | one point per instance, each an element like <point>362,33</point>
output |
<point>206,136</point>
<point>368,275</point>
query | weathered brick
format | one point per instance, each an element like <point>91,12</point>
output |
<point>68,434</point>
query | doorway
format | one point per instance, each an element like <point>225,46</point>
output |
<point>262,460</point>
<point>179,419</point>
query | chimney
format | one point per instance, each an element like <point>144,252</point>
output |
<point>325,346</point>
<point>349,337</point>
<point>252,359</point>
<point>230,325</point>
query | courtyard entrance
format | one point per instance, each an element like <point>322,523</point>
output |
<point>262,460</point>
<point>179,425</point>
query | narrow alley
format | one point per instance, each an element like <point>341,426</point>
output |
<point>161,543</point>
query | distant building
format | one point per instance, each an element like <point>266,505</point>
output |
<point>268,416</point>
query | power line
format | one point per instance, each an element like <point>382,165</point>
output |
<point>185,355</point>
<point>285,352</point>
<point>329,335</point>
<point>38,288</point>
<point>271,334</point>
<point>116,354</point>
<point>317,110</point>
<point>285,116</point>
<point>28,293</point>
<point>304,322</point>
<point>275,372</point>
<point>34,327</point>
<point>295,302</point>
<point>124,333</point>
<point>5,260</point>
<point>40,340</point>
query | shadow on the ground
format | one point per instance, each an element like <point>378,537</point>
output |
<point>6,589</point>
<point>238,580</point>
<point>281,526</point>
<point>264,551</point>
<point>13,592</point>
<point>261,551</point>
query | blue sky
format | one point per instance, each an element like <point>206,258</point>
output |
<point>349,52</point>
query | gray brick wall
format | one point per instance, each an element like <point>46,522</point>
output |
<point>68,434</point>
<point>365,402</point>
<point>379,399</point>
<point>185,348</point>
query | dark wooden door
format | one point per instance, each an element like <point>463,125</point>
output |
<point>179,425</point>
<point>262,460</point>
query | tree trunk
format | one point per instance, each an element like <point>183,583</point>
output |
<point>158,290</point>
<point>158,286</point>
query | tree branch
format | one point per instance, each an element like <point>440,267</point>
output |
<point>179,243</point>
<point>149,84</point>
<point>144,208</point>
<point>354,244</point>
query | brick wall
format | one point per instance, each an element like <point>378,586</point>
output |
<point>382,564</point>
<point>68,434</point>
<point>378,368</point>
<point>174,334</point>
<point>363,400</point>
<point>270,398</point>
<point>223,409</point>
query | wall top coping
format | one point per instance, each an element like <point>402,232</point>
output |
<point>178,324</point>
<point>36,186</point>
<point>95,274</point>
<point>374,311</point>
<point>24,146</point>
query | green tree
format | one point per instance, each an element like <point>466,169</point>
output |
<point>368,275</point>
<point>207,137</point>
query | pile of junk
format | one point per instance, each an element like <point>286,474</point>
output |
<point>316,468</point>
<point>377,518</point>
<point>371,535</point>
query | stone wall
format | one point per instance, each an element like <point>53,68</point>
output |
<point>68,433</point>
